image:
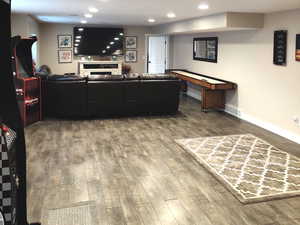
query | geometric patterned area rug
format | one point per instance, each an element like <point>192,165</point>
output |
<point>252,169</point>
<point>77,215</point>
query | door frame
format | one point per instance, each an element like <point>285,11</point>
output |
<point>147,50</point>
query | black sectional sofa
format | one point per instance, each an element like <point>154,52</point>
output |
<point>110,95</point>
<point>65,96</point>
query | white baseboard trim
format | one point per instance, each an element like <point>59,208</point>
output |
<point>236,112</point>
<point>232,110</point>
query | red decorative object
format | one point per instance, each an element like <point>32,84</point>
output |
<point>4,128</point>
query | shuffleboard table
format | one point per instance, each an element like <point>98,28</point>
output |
<point>212,91</point>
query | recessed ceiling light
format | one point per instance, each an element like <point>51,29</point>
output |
<point>83,21</point>
<point>171,15</point>
<point>77,40</point>
<point>121,34</point>
<point>76,45</point>
<point>93,10</point>
<point>151,20</point>
<point>112,43</point>
<point>108,47</point>
<point>78,37</point>
<point>103,51</point>
<point>80,29</point>
<point>116,38</point>
<point>203,6</point>
<point>88,15</point>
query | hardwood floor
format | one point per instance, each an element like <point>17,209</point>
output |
<point>133,173</point>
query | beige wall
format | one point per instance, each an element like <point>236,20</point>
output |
<point>49,47</point>
<point>267,94</point>
<point>25,26</point>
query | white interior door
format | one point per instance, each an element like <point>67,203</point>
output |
<point>157,54</point>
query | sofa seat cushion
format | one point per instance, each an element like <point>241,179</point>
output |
<point>106,77</point>
<point>65,78</point>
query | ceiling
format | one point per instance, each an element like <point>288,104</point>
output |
<point>137,12</point>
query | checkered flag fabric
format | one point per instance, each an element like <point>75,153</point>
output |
<point>10,138</point>
<point>6,187</point>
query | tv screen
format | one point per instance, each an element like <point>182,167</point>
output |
<point>98,41</point>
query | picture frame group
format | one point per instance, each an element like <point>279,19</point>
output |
<point>65,53</point>
<point>131,49</point>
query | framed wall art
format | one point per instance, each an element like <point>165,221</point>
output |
<point>280,47</point>
<point>298,47</point>
<point>64,41</point>
<point>206,49</point>
<point>131,42</point>
<point>131,56</point>
<point>65,56</point>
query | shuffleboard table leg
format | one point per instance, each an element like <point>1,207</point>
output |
<point>212,99</point>
<point>204,100</point>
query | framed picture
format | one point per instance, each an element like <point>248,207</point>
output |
<point>64,41</point>
<point>280,47</point>
<point>298,47</point>
<point>65,56</point>
<point>131,56</point>
<point>206,49</point>
<point>131,42</point>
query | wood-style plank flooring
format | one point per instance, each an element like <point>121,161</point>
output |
<point>135,174</point>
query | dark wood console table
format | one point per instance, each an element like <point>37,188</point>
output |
<point>212,91</point>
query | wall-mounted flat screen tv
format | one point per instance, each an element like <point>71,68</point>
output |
<point>91,41</point>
